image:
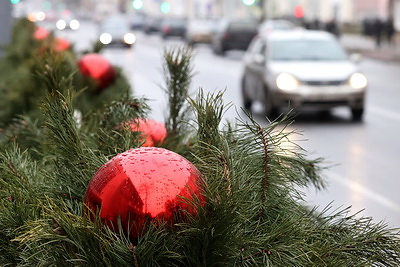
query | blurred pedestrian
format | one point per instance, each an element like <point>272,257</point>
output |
<point>316,24</point>
<point>332,27</point>
<point>389,31</point>
<point>368,26</point>
<point>377,31</point>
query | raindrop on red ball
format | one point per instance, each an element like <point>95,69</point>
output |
<point>98,68</point>
<point>144,185</point>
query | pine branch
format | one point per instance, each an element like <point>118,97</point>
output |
<point>64,238</point>
<point>27,133</point>
<point>114,134</point>
<point>178,75</point>
<point>246,168</point>
<point>76,162</point>
<point>209,110</point>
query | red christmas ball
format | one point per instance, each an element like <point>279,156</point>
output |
<point>61,44</point>
<point>154,132</point>
<point>98,68</point>
<point>41,33</point>
<point>142,185</point>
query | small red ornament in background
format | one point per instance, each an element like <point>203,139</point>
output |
<point>154,132</point>
<point>142,184</point>
<point>98,68</point>
<point>61,44</point>
<point>41,33</point>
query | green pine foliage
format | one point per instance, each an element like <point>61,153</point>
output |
<point>25,63</point>
<point>252,215</point>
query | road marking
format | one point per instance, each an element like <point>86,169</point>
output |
<point>360,189</point>
<point>385,113</point>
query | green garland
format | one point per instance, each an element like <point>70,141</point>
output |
<point>252,216</point>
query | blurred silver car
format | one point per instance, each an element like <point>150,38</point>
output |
<point>301,69</point>
<point>67,21</point>
<point>271,25</point>
<point>200,31</point>
<point>115,31</point>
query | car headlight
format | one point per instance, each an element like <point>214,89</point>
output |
<point>129,38</point>
<point>61,24</point>
<point>105,38</point>
<point>287,82</point>
<point>74,24</point>
<point>358,81</point>
<point>40,16</point>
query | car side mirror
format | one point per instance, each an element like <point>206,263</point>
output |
<point>356,58</point>
<point>259,59</point>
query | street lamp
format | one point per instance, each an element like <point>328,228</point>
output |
<point>165,7</point>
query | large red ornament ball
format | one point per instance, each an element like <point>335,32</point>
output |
<point>153,132</point>
<point>141,185</point>
<point>98,68</point>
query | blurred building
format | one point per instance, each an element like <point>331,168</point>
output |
<point>342,11</point>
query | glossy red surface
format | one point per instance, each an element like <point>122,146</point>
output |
<point>154,132</point>
<point>141,184</point>
<point>98,68</point>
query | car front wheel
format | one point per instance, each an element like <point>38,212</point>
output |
<point>246,100</point>
<point>270,110</point>
<point>357,114</point>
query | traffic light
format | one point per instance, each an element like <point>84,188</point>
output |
<point>165,7</point>
<point>249,2</point>
<point>298,12</point>
<point>14,2</point>
<point>137,4</point>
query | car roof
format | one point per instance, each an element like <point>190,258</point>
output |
<point>299,34</point>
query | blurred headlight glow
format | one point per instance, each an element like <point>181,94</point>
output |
<point>105,38</point>
<point>129,38</point>
<point>74,24</point>
<point>61,24</point>
<point>287,82</point>
<point>32,17</point>
<point>40,16</point>
<point>358,81</point>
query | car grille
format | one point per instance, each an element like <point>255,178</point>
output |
<point>325,83</point>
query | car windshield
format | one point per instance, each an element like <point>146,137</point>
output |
<point>202,25</point>
<point>115,28</point>
<point>243,26</point>
<point>175,22</point>
<point>301,50</point>
<point>115,25</point>
<point>278,25</point>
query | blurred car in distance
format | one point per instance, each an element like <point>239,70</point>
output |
<point>200,31</point>
<point>301,69</point>
<point>67,21</point>
<point>115,31</point>
<point>137,22</point>
<point>271,25</point>
<point>173,27</point>
<point>233,35</point>
<point>152,25</point>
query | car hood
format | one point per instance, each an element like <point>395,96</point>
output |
<point>314,70</point>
